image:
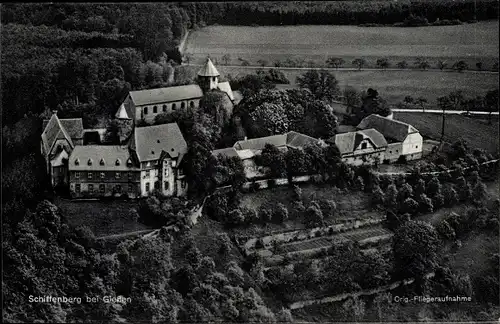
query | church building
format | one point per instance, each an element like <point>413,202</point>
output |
<point>145,105</point>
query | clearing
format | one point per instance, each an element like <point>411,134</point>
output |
<point>477,132</point>
<point>102,217</point>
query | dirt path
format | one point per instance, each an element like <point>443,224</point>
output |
<point>124,235</point>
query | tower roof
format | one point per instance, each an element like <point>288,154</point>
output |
<point>208,70</point>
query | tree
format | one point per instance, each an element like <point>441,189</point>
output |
<point>441,65</point>
<point>273,158</point>
<point>296,162</point>
<point>328,207</point>
<point>460,66</point>
<point>402,65</point>
<point>479,192</point>
<point>405,192</point>
<point>188,57</point>
<point>444,103</point>
<point>359,63</point>
<point>373,104</point>
<point>410,206</point>
<point>425,203</point>
<point>383,63</point>
<point>313,217</point>
<point>216,104</point>
<point>415,246</point>
<point>268,119</point>
<point>280,213</point>
<point>226,58</point>
<point>445,231</point>
<point>322,84</point>
<point>420,101</point>
<point>335,62</point>
<point>391,195</point>
<point>352,98</point>
<point>450,195</point>
<point>422,63</point>
<point>319,120</point>
<point>262,62</point>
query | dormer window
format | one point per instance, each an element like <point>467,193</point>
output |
<point>102,162</point>
<point>157,141</point>
<point>77,162</point>
<point>152,152</point>
<point>155,109</point>
<point>164,108</point>
<point>145,110</point>
<point>89,162</point>
<point>129,162</point>
<point>118,162</point>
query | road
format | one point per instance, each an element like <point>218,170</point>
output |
<point>437,111</point>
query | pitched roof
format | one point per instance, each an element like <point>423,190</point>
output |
<point>297,140</point>
<point>122,113</point>
<point>390,128</point>
<point>208,69</point>
<point>228,152</point>
<point>159,95</point>
<point>348,142</point>
<point>113,157</point>
<point>150,141</point>
<point>53,131</point>
<point>226,87</point>
<point>375,136</point>
<point>260,142</point>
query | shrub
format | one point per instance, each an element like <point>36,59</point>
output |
<point>313,217</point>
<point>445,231</point>
<point>297,193</point>
<point>279,213</point>
<point>224,243</point>
<point>250,215</point>
<point>265,214</point>
<point>235,218</point>
<point>328,207</point>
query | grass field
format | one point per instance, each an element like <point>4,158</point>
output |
<point>102,217</point>
<point>471,42</point>
<point>395,85</point>
<point>477,132</point>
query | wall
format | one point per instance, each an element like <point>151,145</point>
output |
<point>413,144</point>
<point>109,189</point>
<point>165,107</point>
<point>167,175</point>
<point>151,179</point>
<point>109,180</point>
<point>393,152</point>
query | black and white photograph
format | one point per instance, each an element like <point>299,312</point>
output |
<point>250,162</point>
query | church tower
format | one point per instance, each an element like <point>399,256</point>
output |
<point>208,76</point>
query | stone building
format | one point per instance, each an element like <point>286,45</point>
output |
<point>403,140</point>
<point>59,138</point>
<point>360,147</point>
<point>145,105</point>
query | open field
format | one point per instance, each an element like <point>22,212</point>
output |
<point>470,42</point>
<point>102,217</point>
<point>477,132</point>
<point>394,85</point>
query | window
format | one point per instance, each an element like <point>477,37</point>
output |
<point>183,184</point>
<point>130,175</point>
<point>102,188</point>
<point>147,173</point>
<point>416,146</point>
<point>91,188</point>
<point>130,188</point>
<point>102,175</point>
<point>166,172</point>
<point>390,151</point>
<point>191,104</point>
<point>157,185</point>
<point>89,175</point>
<point>213,79</point>
<point>118,188</point>
<point>145,110</point>
<point>77,175</point>
<point>117,175</point>
<point>363,146</point>
<point>77,188</point>
<point>174,106</point>
<point>101,162</point>
<point>183,105</point>
<point>164,108</point>
<point>147,187</point>
<point>155,110</point>
<point>397,151</point>
<point>165,185</point>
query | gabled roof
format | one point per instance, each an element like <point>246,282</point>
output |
<point>260,142</point>
<point>390,128</point>
<point>53,131</point>
<point>227,152</point>
<point>298,140</point>
<point>226,87</point>
<point>159,95</point>
<point>348,142</point>
<point>73,126</point>
<point>115,158</point>
<point>122,112</point>
<point>208,69</point>
<point>150,141</point>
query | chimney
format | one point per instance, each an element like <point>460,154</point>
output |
<point>54,112</point>
<point>245,138</point>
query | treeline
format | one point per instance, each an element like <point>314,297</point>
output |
<point>356,12</point>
